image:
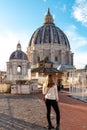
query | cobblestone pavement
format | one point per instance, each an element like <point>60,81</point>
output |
<point>21,112</point>
<point>28,112</point>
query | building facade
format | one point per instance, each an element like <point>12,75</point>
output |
<point>49,42</point>
<point>18,65</point>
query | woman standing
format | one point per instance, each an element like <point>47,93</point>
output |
<point>51,99</point>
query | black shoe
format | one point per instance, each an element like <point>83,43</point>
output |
<point>50,127</point>
<point>57,128</point>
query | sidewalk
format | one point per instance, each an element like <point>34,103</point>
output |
<point>73,113</point>
<point>28,112</point>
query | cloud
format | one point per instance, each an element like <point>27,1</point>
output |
<point>80,11</point>
<point>8,43</point>
<point>63,8</point>
<point>77,42</point>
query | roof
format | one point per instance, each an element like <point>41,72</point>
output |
<point>45,70</point>
<point>49,33</point>
<point>65,67</point>
<point>18,54</point>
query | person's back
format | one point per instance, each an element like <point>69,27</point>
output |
<point>52,93</point>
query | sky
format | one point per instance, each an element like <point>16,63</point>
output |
<point>20,18</point>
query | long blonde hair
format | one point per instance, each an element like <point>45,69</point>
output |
<point>49,81</point>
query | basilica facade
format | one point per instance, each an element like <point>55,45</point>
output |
<point>49,42</point>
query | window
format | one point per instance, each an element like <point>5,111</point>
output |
<point>19,69</point>
<point>56,58</point>
<point>38,58</point>
<point>47,58</point>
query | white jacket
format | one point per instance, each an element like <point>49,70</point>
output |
<point>50,93</point>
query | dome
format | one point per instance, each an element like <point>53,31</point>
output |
<point>49,33</point>
<point>18,54</point>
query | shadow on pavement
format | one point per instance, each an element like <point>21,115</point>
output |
<point>9,123</point>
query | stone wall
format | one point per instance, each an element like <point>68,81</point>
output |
<point>27,88</point>
<point>5,88</point>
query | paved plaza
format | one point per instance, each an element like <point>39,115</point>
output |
<point>28,112</point>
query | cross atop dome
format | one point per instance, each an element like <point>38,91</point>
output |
<point>48,18</point>
<point>18,46</point>
<point>48,11</point>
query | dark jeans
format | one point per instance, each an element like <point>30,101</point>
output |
<point>55,106</point>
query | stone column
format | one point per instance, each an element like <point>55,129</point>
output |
<point>62,57</point>
<point>52,55</point>
<point>69,58</point>
<point>29,74</point>
<point>41,55</point>
<point>24,72</point>
<point>14,68</point>
<point>72,58</point>
<point>32,60</point>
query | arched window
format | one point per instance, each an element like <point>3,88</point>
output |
<point>56,58</point>
<point>19,69</point>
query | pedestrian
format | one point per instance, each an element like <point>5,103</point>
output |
<point>51,100</point>
<point>59,85</point>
